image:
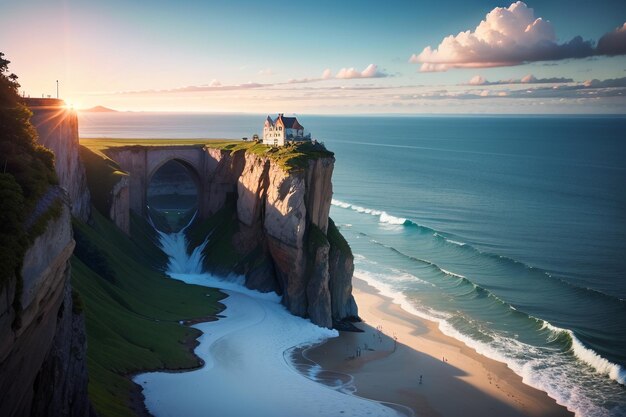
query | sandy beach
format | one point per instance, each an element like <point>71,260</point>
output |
<point>398,349</point>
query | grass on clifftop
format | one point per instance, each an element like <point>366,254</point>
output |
<point>102,175</point>
<point>132,310</point>
<point>290,157</point>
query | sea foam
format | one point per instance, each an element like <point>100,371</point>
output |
<point>555,373</point>
<point>245,372</point>
<point>383,216</point>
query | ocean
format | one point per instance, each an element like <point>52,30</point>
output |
<point>510,232</point>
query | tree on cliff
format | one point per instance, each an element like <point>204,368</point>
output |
<point>26,172</point>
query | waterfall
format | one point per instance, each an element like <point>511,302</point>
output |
<point>175,247</point>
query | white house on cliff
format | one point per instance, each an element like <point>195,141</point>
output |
<point>283,129</point>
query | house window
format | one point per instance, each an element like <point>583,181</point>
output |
<point>280,128</point>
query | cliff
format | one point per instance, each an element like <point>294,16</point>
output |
<point>42,350</point>
<point>282,231</point>
<point>264,209</point>
<point>43,347</point>
<point>57,128</point>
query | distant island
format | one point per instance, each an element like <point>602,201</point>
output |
<point>98,109</point>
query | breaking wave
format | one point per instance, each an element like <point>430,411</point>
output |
<point>383,216</point>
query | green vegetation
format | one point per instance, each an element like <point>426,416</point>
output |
<point>316,237</point>
<point>337,240</point>
<point>26,173</point>
<point>290,157</point>
<point>13,241</point>
<point>219,254</point>
<point>102,175</point>
<point>132,310</point>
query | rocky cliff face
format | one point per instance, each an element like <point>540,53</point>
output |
<point>120,200</point>
<point>58,130</point>
<point>284,223</point>
<point>42,345</point>
<point>224,169</point>
<point>42,360</point>
<point>282,233</point>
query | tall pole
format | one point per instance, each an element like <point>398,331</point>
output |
<point>57,89</point>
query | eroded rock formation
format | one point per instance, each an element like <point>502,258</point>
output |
<point>283,235</point>
<point>284,224</point>
<point>57,128</point>
<point>42,345</point>
<point>42,350</point>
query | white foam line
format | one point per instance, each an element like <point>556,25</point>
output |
<point>453,274</point>
<point>529,362</point>
<point>383,216</point>
<point>590,357</point>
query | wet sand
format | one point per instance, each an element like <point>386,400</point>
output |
<point>397,348</point>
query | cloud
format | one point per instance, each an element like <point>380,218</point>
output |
<point>613,43</point>
<point>371,71</point>
<point>214,85</point>
<point>266,71</point>
<point>477,80</point>
<point>590,89</point>
<point>527,79</point>
<point>326,75</point>
<point>531,79</point>
<point>512,36</point>
<point>610,83</point>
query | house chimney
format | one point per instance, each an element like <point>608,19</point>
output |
<point>280,114</point>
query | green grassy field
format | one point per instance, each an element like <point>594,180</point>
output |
<point>132,310</point>
<point>290,157</point>
<point>102,174</point>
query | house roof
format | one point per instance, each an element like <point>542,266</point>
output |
<point>288,122</point>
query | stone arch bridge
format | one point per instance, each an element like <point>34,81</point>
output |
<point>213,175</point>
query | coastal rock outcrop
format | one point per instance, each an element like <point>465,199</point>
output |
<point>43,344</point>
<point>57,128</point>
<point>317,290</point>
<point>120,200</point>
<point>42,358</point>
<point>281,236</point>
<point>341,269</point>
<point>223,171</point>
<point>289,211</point>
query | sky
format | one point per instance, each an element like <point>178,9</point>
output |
<point>322,57</point>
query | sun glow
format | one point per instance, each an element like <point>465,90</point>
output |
<point>71,104</point>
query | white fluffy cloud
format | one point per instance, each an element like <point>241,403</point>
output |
<point>508,36</point>
<point>370,72</point>
<point>477,80</point>
<point>527,79</point>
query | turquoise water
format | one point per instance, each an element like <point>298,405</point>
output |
<point>510,232</point>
